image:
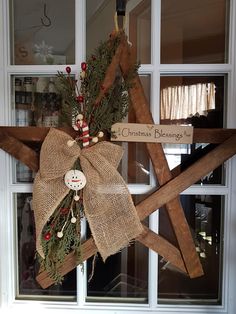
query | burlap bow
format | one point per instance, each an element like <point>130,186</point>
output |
<point>108,205</point>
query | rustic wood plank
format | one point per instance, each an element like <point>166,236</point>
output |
<point>148,238</point>
<point>162,171</point>
<point>88,249</point>
<point>214,136</point>
<point>19,150</point>
<point>187,178</point>
<point>163,247</point>
<point>38,134</point>
<point>32,133</point>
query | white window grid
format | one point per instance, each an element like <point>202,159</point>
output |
<point>7,188</point>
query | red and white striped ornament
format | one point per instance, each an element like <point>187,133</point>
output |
<point>82,125</point>
<point>85,133</point>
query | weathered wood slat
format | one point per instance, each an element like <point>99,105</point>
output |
<point>19,150</point>
<point>161,246</point>
<point>148,238</point>
<point>88,248</point>
<point>38,134</point>
<point>162,171</point>
<point>32,133</point>
<point>187,178</point>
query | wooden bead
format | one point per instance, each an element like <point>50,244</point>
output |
<point>70,143</point>
<point>73,220</point>
<point>60,234</point>
<point>76,198</point>
<point>95,139</point>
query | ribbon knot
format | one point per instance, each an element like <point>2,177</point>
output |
<point>108,205</point>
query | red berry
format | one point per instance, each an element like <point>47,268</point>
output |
<point>68,70</point>
<point>47,236</point>
<point>64,210</point>
<point>80,98</point>
<point>83,66</point>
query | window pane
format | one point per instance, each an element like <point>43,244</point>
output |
<point>37,102</point>
<point>194,31</point>
<point>123,277</point>
<point>204,214</point>
<point>43,33</point>
<point>139,17</point>
<point>100,23</point>
<point>196,101</point>
<point>27,286</point>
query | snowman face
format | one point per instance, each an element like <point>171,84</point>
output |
<point>75,180</point>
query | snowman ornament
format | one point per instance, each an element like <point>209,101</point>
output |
<point>75,180</point>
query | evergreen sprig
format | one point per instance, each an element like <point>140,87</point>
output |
<point>100,116</point>
<point>113,106</point>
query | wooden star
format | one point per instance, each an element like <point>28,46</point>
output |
<point>20,142</point>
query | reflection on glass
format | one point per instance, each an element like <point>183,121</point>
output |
<point>100,24</point>
<point>27,265</point>
<point>123,277</point>
<point>43,32</point>
<point>22,173</point>
<point>204,214</point>
<point>196,101</point>
<point>37,101</point>
<point>139,17</point>
<point>194,31</point>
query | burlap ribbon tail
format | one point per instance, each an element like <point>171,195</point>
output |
<point>108,205</point>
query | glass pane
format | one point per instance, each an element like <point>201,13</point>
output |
<point>27,286</point>
<point>139,17</point>
<point>194,31</point>
<point>37,100</point>
<point>204,214</point>
<point>100,23</point>
<point>123,277</point>
<point>43,33</point>
<point>197,101</point>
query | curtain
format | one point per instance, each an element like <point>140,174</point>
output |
<point>181,102</point>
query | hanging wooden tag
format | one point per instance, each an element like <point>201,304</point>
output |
<point>152,133</point>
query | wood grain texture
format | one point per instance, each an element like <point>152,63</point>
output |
<point>148,238</point>
<point>187,178</point>
<point>19,150</point>
<point>162,171</point>
<point>38,134</point>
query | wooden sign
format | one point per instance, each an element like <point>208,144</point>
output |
<point>152,133</point>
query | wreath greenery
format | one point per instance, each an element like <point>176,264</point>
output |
<point>100,113</point>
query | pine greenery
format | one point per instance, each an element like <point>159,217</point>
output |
<point>100,116</point>
<point>113,107</point>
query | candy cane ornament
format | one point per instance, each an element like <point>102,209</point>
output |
<point>85,133</point>
<point>82,125</point>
